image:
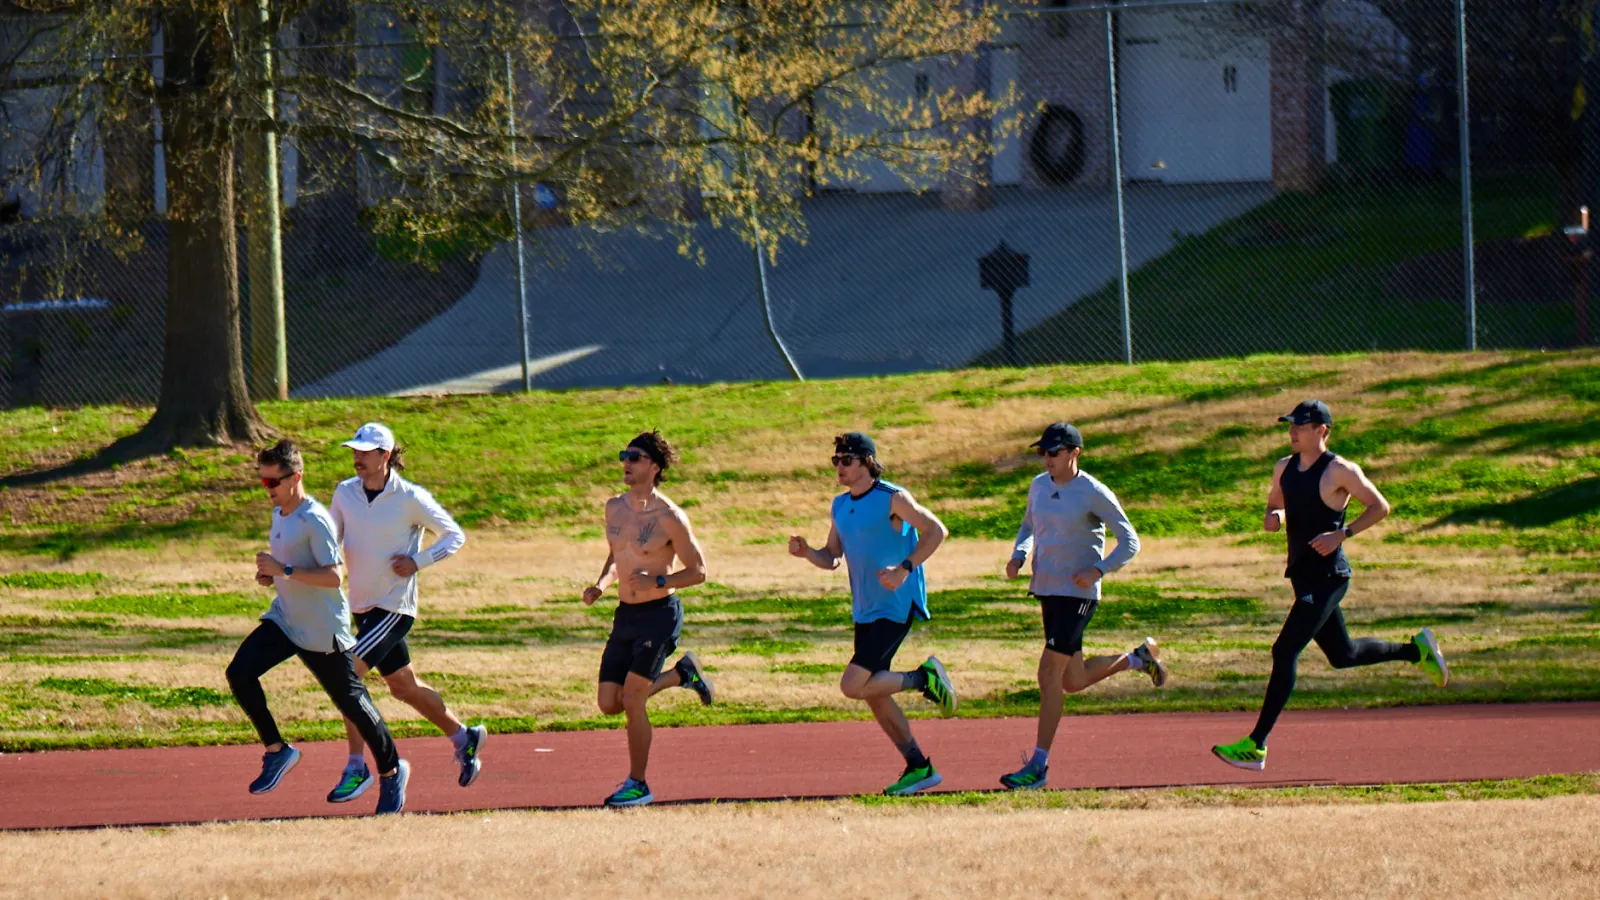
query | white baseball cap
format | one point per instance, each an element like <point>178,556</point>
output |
<point>371,436</point>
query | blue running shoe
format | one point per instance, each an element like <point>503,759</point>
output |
<point>467,756</point>
<point>273,767</point>
<point>352,784</point>
<point>392,790</point>
<point>631,793</point>
<point>1027,778</point>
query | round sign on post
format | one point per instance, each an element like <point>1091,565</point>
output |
<point>545,197</point>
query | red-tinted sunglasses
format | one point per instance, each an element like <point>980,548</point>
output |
<point>271,483</point>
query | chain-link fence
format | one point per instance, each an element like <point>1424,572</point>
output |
<point>1189,179</point>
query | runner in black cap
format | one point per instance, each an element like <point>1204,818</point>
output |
<point>1309,493</point>
<point>1064,527</point>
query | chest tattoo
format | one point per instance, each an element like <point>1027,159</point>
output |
<point>646,532</point>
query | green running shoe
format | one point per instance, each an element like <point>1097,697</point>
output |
<point>631,793</point>
<point>1026,779</point>
<point>352,784</point>
<point>1432,660</point>
<point>914,779</point>
<point>1243,753</point>
<point>694,679</point>
<point>939,690</point>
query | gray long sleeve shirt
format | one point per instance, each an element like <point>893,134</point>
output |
<point>1064,529</point>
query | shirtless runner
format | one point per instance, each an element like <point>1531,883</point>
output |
<point>645,531</point>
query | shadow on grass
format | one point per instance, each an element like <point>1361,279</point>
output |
<point>1558,504</point>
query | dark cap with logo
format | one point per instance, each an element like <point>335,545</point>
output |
<point>857,443</point>
<point>1058,436</point>
<point>1310,412</point>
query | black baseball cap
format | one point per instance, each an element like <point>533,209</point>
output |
<point>857,443</point>
<point>1057,436</point>
<point>1310,412</point>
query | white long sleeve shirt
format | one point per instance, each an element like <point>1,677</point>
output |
<point>392,523</point>
<point>1065,529</point>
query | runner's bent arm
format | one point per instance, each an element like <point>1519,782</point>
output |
<point>1274,519</point>
<point>688,550</point>
<point>1110,511</point>
<point>1348,476</point>
<point>428,513</point>
<point>1024,544</point>
<point>919,517</point>
<point>825,557</point>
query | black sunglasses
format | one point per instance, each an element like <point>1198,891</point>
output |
<point>845,459</point>
<point>630,455</point>
<point>1053,453</point>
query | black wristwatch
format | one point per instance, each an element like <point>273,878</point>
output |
<point>661,581</point>
<point>1347,532</point>
<point>906,564</point>
<point>288,571</point>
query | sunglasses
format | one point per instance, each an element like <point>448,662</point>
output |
<point>845,459</point>
<point>1053,453</point>
<point>272,483</point>
<point>630,455</point>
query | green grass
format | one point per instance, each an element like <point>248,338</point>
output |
<point>1487,475</point>
<point>172,605</point>
<point>117,692</point>
<point>42,581</point>
<point>1215,295</point>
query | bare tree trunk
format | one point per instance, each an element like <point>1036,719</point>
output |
<point>203,400</point>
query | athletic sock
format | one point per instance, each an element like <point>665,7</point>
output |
<point>1135,661</point>
<point>355,762</point>
<point>913,755</point>
<point>916,680</point>
<point>459,738</point>
<point>1040,759</point>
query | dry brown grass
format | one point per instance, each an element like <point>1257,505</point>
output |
<point>1495,849</point>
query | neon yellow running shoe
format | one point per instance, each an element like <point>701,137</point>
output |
<point>1432,660</point>
<point>1242,753</point>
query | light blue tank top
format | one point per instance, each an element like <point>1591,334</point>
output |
<point>872,542</point>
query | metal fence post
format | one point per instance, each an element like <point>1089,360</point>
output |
<point>1469,267</point>
<point>516,225</point>
<point>1116,179</point>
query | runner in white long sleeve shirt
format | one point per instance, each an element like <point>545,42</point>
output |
<point>380,518</point>
<point>1065,529</point>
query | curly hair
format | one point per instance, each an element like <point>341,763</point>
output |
<point>653,445</point>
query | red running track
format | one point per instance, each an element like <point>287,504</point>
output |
<point>201,784</point>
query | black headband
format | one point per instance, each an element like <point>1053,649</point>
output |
<point>649,450</point>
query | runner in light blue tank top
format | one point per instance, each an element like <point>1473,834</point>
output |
<point>872,542</point>
<point>884,536</point>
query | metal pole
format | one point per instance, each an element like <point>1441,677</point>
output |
<point>1463,113</point>
<point>766,302</point>
<point>1116,176</point>
<point>269,343</point>
<point>516,225</point>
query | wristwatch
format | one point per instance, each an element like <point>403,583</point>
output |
<point>661,581</point>
<point>1347,532</point>
<point>906,564</point>
<point>288,571</point>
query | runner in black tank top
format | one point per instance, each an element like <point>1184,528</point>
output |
<point>1319,573</point>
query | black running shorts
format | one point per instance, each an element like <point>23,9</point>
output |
<point>1065,619</point>
<point>643,635</point>
<point>877,642</point>
<point>381,640</point>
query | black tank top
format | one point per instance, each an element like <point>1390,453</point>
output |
<point>1308,517</point>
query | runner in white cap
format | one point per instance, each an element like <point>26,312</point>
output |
<point>380,518</point>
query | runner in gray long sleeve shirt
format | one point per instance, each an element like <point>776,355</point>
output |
<point>1064,528</point>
